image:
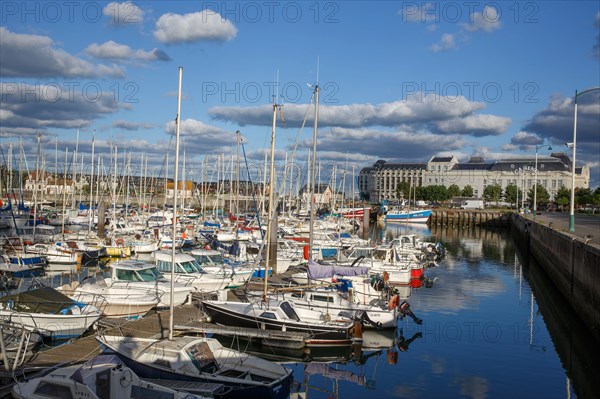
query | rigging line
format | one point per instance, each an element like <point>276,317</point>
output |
<point>298,135</point>
<point>252,189</point>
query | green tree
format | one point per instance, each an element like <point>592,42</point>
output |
<point>511,192</point>
<point>453,191</point>
<point>597,196</point>
<point>467,191</point>
<point>563,197</point>
<point>492,193</point>
<point>403,190</point>
<point>432,193</point>
<point>583,196</point>
<point>542,196</point>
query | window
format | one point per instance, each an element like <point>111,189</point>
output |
<point>51,390</point>
<point>289,311</point>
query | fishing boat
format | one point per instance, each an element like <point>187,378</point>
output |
<point>104,376</point>
<point>202,360</point>
<point>49,313</point>
<point>408,216</point>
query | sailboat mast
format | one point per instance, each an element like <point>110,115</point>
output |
<point>64,189</point>
<point>312,174</point>
<point>175,177</point>
<point>270,203</point>
<point>90,211</point>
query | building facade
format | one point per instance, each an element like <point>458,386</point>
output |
<point>379,182</point>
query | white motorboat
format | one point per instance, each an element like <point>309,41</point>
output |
<point>138,274</point>
<point>189,271</point>
<point>214,262</point>
<point>115,300</point>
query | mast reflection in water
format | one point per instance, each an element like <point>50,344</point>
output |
<point>484,333</point>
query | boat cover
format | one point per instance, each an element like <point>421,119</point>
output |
<point>318,271</point>
<point>40,300</point>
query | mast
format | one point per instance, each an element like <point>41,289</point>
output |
<point>175,204</point>
<point>37,181</point>
<point>270,202</point>
<point>312,174</point>
<point>64,188</point>
<point>90,211</point>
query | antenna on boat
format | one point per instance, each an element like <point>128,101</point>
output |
<point>175,177</point>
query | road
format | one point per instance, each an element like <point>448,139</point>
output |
<point>585,225</point>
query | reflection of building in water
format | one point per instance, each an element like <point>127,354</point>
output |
<point>475,242</point>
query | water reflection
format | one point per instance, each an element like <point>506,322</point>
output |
<point>380,348</point>
<point>578,350</point>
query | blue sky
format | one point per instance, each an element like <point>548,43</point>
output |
<point>400,81</point>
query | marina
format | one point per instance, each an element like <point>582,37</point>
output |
<point>444,298</point>
<point>332,236</point>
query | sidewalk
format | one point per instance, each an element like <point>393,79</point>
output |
<point>587,227</point>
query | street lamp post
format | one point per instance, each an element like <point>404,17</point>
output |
<point>572,211</point>
<point>537,147</point>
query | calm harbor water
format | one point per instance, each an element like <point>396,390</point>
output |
<point>485,334</point>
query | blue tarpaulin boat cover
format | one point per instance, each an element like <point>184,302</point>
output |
<point>316,271</point>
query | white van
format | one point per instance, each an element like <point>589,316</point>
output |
<point>472,204</point>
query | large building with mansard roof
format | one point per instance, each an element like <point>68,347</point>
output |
<point>379,182</point>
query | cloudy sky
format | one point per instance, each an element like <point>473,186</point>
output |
<point>399,81</point>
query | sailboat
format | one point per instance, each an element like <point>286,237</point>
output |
<point>269,314</point>
<point>199,359</point>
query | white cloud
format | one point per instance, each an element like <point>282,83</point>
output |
<point>123,13</point>
<point>416,109</point>
<point>446,43</point>
<point>34,56</point>
<point>524,138</point>
<point>116,51</point>
<point>476,125</point>
<point>127,125</point>
<point>45,106</point>
<point>192,27</point>
<point>487,20</point>
<point>194,127</point>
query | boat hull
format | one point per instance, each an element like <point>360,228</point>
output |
<point>55,326</point>
<point>319,335</point>
<point>409,217</point>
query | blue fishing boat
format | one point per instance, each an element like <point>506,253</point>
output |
<point>402,215</point>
